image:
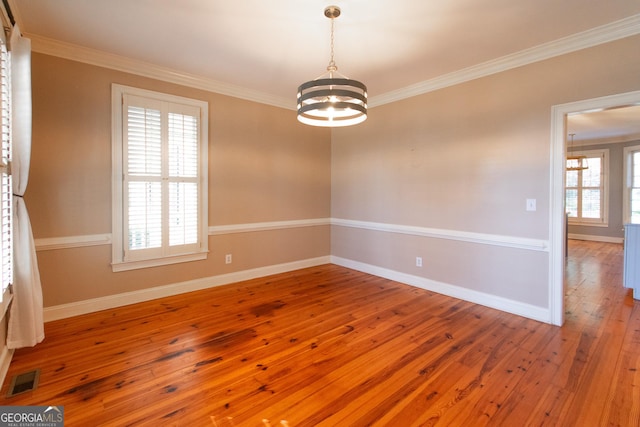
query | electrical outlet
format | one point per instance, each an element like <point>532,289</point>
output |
<point>418,261</point>
<point>228,259</point>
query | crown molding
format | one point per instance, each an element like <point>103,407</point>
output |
<point>606,33</point>
<point>609,140</point>
<point>120,63</point>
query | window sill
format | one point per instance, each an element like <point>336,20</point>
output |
<point>156,262</point>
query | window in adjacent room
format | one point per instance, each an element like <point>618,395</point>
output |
<point>159,178</point>
<point>586,191</point>
<point>6,205</point>
<point>631,198</point>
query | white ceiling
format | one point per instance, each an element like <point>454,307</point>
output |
<point>606,126</point>
<point>271,46</point>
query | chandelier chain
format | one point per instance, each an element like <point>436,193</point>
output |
<point>332,67</point>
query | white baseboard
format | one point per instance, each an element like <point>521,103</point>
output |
<point>593,238</point>
<point>64,311</point>
<point>6,355</point>
<point>510,306</point>
<point>89,306</point>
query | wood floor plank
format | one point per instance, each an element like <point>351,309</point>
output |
<point>360,361</point>
<point>432,375</point>
<point>328,346</point>
<point>390,383</point>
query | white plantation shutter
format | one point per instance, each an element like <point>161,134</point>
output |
<point>143,174</point>
<point>183,177</point>
<point>163,177</point>
<point>183,214</point>
<point>144,216</point>
<point>144,142</point>
<point>6,232</point>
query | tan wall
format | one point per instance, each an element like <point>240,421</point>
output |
<point>460,160</point>
<point>263,166</point>
<point>465,159</point>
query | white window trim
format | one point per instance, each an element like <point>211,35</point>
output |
<point>597,222</point>
<point>626,186</point>
<point>117,237</point>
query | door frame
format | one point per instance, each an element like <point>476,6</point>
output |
<point>557,217</point>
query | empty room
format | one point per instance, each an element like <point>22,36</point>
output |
<point>318,213</point>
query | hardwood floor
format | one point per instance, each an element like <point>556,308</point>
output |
<point>329,346</point>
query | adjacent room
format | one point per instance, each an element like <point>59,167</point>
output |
<point>311,213</point>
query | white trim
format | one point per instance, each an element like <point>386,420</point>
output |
<point>89,306</point>
<point>593,238</point>
<point>6,354</point>
<point>68,242</point>
<point>118,266</point>
<point>606,33</point>
<point>464,236</point>
<point>96,304</point>
<point>556,188</point>
<point>627,169</point>
<point>216,230</point>
<point>166,254</point>
<point>120,63</point>
<point>262,226</point>
<point>51,243</point>
<point>603,155</point>
<point>510,306</point>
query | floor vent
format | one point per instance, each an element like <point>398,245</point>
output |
<point>27,381</point>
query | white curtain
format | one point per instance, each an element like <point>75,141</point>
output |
<point>26,321</point>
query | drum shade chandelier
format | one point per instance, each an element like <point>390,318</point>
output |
<point>332,99</point>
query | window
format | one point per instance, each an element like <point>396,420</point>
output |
<point>631,199</point>
<point>586,193</point>
<point>6,206</point>
<point>159,179</point>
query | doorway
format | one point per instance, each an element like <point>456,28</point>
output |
<point>557,231</point>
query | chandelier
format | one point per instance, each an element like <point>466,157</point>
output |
<point>576,162</point>
<point>332,99</point>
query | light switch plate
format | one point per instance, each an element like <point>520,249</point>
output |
<point>531,205</point>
